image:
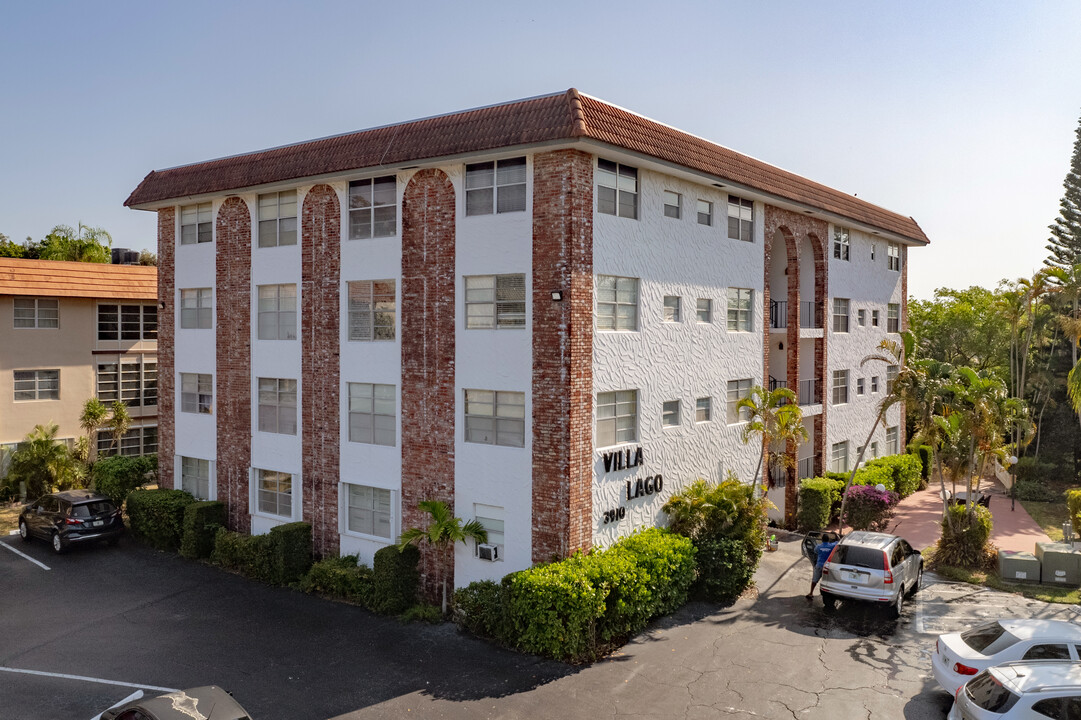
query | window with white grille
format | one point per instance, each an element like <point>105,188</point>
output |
<point>705,212</point>
<point>277,312</point>
<point>617,189</point>
<point>497,186</point>
<point>274,492</point>
<point>740,219</point>
<point>40,313</point>
<point>373,208</point>
<point>842,245</point>
<point>893,257</point>
<point>196,392</point>
<point>127,322</point>
<point>495,417</point>
<point>278,219</point>
<point>371,510</point>
<point>495,301</point>
<point>671,308</point>
<point>840,387</point>
<point>703,409</point>
<point>134,383</point>
<point>373,417</point>
<point>840,315</point>
<point>617,303</point>
<point>196,224</point>
<point>617,417</point>
<point>372,310</point>
<point>36,385</point>
<point>737,390</point>
<point>672,202</point>
<point>278,405</point>
<point>839,457</point>
<point>195,477</point>
<point>197,308</point>
<point>740,309</point>
<point>893,318</point>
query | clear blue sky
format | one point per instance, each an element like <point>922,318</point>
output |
<point>961,114</point>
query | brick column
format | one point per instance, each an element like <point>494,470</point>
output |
<point>166,339</point>
<point>902,432</point>
<point>427,318</point>
<point>320,255</point>
<point>562,353</point>
<point>232,388</point>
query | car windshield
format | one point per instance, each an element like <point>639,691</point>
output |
<point>988,639</point>
<point>989,694</point>
<point>857,556</point>
<point>98,507</point>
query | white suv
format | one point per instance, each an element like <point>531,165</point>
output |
<point>873,567</point>
<point>1030,690</point>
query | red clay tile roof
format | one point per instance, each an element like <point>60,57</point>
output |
<point>564,116</point>
<point>52,278</point>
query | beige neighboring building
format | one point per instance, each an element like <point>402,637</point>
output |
<point>70,331</point>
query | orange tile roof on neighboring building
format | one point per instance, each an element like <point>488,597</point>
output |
<point>569,116</point>
<point>54,278</point>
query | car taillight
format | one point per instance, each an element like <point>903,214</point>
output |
<point>889,573</point>
<point>936,647</point>
<point>964,669</point>
<point>73,521</point>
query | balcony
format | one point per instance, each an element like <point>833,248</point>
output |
<point>778,314</point>
<point>810,315</point>
<point>810,392</point>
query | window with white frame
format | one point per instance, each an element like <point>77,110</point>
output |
<point>127,322</point>
<point>372,310</point>
<point>373,208</point>
<point>670,413</point>
<point>671,204</point>
<point>705,212</point>
<point>737,390</point>
<point>874,384</point>
<point>373,417</point>
<point>841,244</point>
<point>703,409</point>
<point>135,442</point>
<point>277,312</point>
<point>893,318</point>
<point>839,457</point>
<point>371,510</point>
<point>274,491</point>
<point>840,315</point>
<point>495,301</point>
<point>617,189</point>
<point>874,449</point>
<point>132,382</point>
<point>617,303</point>
<point>874,250</point>
<point>495,417</point>
<point>893,440</point>
<point>195,477</point>
<point>840,387</point>
<point>278,406</point>
<point>617,417</point>
<point>740,219</point>
<point>874,318</point>
<point>891,376</point>
<point>197,308</point>
<point>859,386</point>
<point>497,186</point>
<point>278,219</point>
<point>671,308</point>
<point>893,253</point>
<point>39,313</point>
<point>196,224</point>
<point>704,310</point>
<point>861,317</point>
<point>740,311</point>
<point>491,519</point>
<point>196,392</point>
<point>36,385</point>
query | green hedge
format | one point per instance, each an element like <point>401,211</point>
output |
<point>1034,490</point>
<point>340,577</point>
<point>395,579</point>
<point>726,567</point>
<point>966,547</point>
<point>280,557</point>
<point>906,472</point>
<point>119,475</point>
<point>481,608</point>
<point>247,554</point>
<point>201,523</point>
<point>669,564</point>
<point>291,551</point>
<point>1032,470</point>
<point>157,516</point>
<point>923,452</point>
<point>817,499</point>
<point>1073,504</point>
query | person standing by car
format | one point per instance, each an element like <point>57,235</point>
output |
<point>822,554</point>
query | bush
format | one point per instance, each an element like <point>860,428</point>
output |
<point>340,577</point>
<point>867,508</point>
<point>201,523</point>
<point>1034,490</point>
<point>246,554</point>
<point>923,452</point>
<point>817,499</point>
<point>725,567</point>
<point>870,475</point>
<point>480,608</point>
<point>395,579</point>
<point>906,471</point>
<point>1032,470</point>
<point>157,516</point>
<point>1073,504</point>
<point>118,475</point>
<point>968,545</point>
<point>291,551</point>
<point>423,613</point>
<point>668,561</point>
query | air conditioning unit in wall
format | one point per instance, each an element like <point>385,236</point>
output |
<point>488,552</point>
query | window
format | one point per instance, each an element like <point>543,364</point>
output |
<point>861,317</point>
<point>670,413</point>
<point>127,322</point>
<point>740,219</point>
<point>372,310</point>
<point>739,309</point>
<point>495,301</point>
<point>874,318</point>
<point>617,417</point>
<point>136,441</point>
<point>37,385</point>
<point>491,517</point>
<point>893,440</point>
<point>278,406</point>
<point>705,212</point>
<point>671,204</point>
<point>704,310</point>
<point>703,410</point>
<point>891,376</point>
<point>133,383</point>
<point>277,312</point>
<point>737,390</point>
<point>278,219</point>
<point>874,449</point>
<point>859,386</point>
<point>370,511</point>
<point>617,189</point>
<point>893,318</point>
<point>499,184</point>
<point>840,315</point>
<point>874,249</point>
<point>874,384</point>
<point>196,224</point>
<point>893,259</point>
<point>275,493</point>
<point>839,457</point>
<point>671,308</point>
<point>372,414</point>
<point>196,393</point>
<point>196,308</point>
<point>617,303</point>
<point>841,244</point>
<point>840,387</point>
<point>41,313</point>
<point>495,417</point>
<point>195,477</point>
<point>373,208</point>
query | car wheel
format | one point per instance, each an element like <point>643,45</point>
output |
<point>919,581</point>
<point>58,544</point>
<point>829,601</point>
<point>24,532</point>
<point>898,604</point>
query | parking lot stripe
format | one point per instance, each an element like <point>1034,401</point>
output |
<point>100,681</point>
<point>41,565</point>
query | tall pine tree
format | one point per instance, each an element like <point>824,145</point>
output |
<point>1065,244</point>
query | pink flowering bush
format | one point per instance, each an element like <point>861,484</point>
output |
<point>869,509</point>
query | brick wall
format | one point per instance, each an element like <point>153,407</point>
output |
<point>902,432</point>
<point>232,387</point>
<point>166,338</point>
<point>562,353</point>
<point>320,383</point>
<point>427,321</point>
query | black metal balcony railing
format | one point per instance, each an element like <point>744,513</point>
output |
<point>810,392</point>
<point>810,314</point>
<point>778,476</point>
<point>778,313</point>
<point>806,468</point>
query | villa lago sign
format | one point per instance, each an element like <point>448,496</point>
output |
<point>639,487</point>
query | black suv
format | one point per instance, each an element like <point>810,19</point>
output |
<point>72,516</point>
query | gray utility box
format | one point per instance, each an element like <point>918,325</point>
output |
<point>1060,564</point>
<point>1018,566</point>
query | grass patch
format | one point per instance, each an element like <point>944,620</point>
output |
<point>1046,593</point>
<point>9,517</point>
<point>1048,515</point>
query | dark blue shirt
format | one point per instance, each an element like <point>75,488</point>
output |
<point>823,553</point>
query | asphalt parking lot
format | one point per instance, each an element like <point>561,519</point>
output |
<point>102,623</point>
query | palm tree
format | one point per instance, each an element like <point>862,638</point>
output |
<point>774,417</point>
<point>85,244</point>
<point>42,462</point>
<point>119,423</point>
<point>442,533</point>
<point>93,417</point>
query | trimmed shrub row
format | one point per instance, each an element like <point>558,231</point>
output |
<point>282,556</point>
<point>117,476</point>
<point>201,523</point>
<point>901,474</point>
<point>157,516</point>
<point>390,588</point>
<point>819,501</point>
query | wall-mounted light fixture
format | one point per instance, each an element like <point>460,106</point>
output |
<point>162,304</point>
<point>557,295</point>
<point>780,346</point>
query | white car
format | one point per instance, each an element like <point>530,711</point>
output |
<point>960,656</point>
<point>1033,690</point>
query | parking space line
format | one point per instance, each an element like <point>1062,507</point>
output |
<point>41,565</point>
<point>83,678</point>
